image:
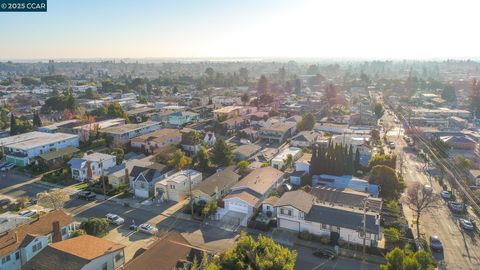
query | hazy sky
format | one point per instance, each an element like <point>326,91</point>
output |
<point>244,28</point>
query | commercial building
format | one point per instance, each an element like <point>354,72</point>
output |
<point>123,134</point>
<point>22,149</point>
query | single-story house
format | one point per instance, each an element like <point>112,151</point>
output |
<point>345,181</point>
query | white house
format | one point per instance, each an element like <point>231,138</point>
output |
<point>143,179</point>
<point>210,138</point>
<point>246,195</point>
<point>176,186</point>
<point>21,244</point>
<point>22,149</point>
<point>91,166</point>
<point>279,161</point>
<point>84,252</point>
<point>298,211</point>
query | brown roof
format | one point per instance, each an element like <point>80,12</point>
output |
<point>218,181</point>
<point>23,234</point>
<point>158,136</point>
<point>298,199</point>
<point>347,197</point>
<point>165,253</point>
<point>260,180</point>
<point>87,247</point>
<point>73,253</point>
<point>272,200</point>
<point>245,196</point>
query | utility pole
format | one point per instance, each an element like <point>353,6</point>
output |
<point>365,205</point>
<point>103,182</point>
<point>189,173</point>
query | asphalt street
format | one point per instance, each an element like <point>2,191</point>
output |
<point>461,249</point>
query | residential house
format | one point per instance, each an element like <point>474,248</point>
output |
<point>235,123</point>
<point>246,151</point>
<point>123,134</point>
<point>305,139</point>
<point>278,162</point>
<point>262,158</point>
<point>217,185</point>
<point>303,163</point>
<point>154,140</point>
<point>55,159</point>
<point>278,132</point>
<point>246,195</point>
<point>143,179</point>
<point>19,245</point>
<point>170,251</point>
<point>176,186</point>
<point>268,206</point>
<point>119,175</point>
<point>298,178</point>
<point>209,138</point>
<point>344,182</point>
<point>298,211</point>
<point>182,117</point>
<point>346,198</point>
<point>24,148</point>
<point>227,112</point>
<point>79,253</point>
<point>91,166</point>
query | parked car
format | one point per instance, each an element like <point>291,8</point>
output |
<point>86,195</point>
<point>446,195</point>
<point>456,207</point>
<point>27,213</point>
<point>5,202</point>
<point>435,244</point>
<point>466,224</point>
<point>133,227</point>
<point>391,145</point>
<point>115,219</point>
<point>147,228</point>
<point>8,167</point>
<point>325,253</point>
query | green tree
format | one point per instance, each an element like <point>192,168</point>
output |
<point>178,160</point>
<point>95,226</point>
<point>262,85</point>
<point>380,159</point>
<point>245,98</point>
<point>222,153</point>
<point>356,162</point>
<point>37,121</point>
<point>394,260</point>
<point>116,110</point>
<point>77,232</point>
<point>263,254</point>
<point>390,185</point>
<point>13,125</point>
<point>392,235</point>
<point>119,154</point>
<point>242,167</point>
<point>397,259</point>
<point>307,122</point>
<point>378,110</point>
<point>193,138</point>
<point>202,159</point>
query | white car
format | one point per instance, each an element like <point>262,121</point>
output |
<point>27,213</point>
<point>115,219</point>
<point>446,195</point>
<point>466,224</point>
<point>147,228</point>
<point>8,167</point>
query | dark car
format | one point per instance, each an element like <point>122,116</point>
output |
<point>5,202</point>
<point>325,253</point>
<point>86,195</point>
<point>435,244</point>
<point>456,207</point>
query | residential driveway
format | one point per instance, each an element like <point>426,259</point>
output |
<point>284,237</point>
<point>132,240</point>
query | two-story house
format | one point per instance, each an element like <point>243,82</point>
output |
<point>151,141</point>
<point>21,244</point>
<point>91,166</point>
<point>246,195</point>
<point>176,186</point>
<point>299,211</point>
<point>143,179</point>
<point>217,185</point>
<point>278,132</point>
<point>83,252</point>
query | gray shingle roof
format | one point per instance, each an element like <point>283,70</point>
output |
<point>298,199</point>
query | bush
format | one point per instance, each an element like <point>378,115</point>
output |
<point>305,235</point>
<point>95,226</point>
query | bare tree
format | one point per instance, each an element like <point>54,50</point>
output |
<point>420,198</point>
<point>54,199</point>
<point>387,127</point>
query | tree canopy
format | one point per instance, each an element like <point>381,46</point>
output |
<point>178,160</point>
<point>390,184</point>
<point>307,122</point>
<point>221,153</point>
<point>398,260</point>
<point>95,226</point>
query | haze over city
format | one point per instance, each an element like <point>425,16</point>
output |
<point>211,29</point>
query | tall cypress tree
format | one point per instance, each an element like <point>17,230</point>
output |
<point>349,167</point>
<point>356,163</point>
<point>314,161</point>
<point>13,125</point>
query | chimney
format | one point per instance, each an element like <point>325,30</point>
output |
<point>127,178</point>
<point>57,234</point>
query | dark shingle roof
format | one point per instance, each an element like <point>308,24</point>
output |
<point>345,197</point>
<point>150,173</point>
<point>298,199</point>
<point>340,217</point>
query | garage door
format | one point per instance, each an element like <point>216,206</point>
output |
<point>238,207</point>
<point>290,225</point>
